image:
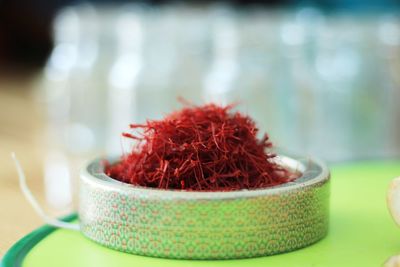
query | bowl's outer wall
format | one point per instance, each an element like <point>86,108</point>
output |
<point>133,221</point>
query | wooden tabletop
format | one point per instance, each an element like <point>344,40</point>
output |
<point>22,124</point>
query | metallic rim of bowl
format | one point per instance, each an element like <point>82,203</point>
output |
<point>313,171</point>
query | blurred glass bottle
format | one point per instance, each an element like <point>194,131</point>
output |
<point>124,76</point>
<point>154,91</point>
<point>387,35</point>
<point>67,89</point>
<point>258,58</point>
<point>219,81</point>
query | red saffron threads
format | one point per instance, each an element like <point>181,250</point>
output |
<point>200,148</point>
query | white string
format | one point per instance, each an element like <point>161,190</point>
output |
<point>31,199</point>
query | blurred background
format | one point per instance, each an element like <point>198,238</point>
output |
<point>321,77</point>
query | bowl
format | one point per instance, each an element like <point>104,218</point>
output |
<point>206,225</point>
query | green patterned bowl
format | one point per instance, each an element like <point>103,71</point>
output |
<point>206,225</point>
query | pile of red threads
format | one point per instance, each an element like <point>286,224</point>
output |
<point>200,148</point>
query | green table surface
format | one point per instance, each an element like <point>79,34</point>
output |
<point>361,233</point>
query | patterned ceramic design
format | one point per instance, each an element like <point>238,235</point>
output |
<point>206,225</point>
